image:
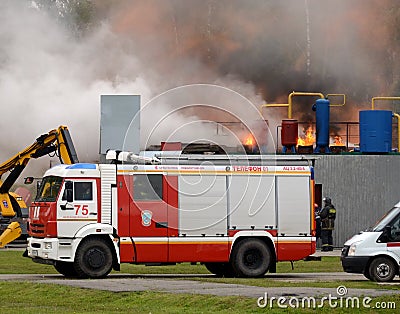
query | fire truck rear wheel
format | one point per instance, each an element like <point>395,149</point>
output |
<point>66,269</point>
<point>93,259</point>
<point>220,269</point>
<point>251,258</point>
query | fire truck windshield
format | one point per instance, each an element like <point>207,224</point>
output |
<point>49,189</point>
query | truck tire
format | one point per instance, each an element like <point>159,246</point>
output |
<point>66,269</point>
<point>220,269</point>
<point>251,258</point>
<point>93,259</point>
<point>382,269</point>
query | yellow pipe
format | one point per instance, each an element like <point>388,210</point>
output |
<point>382,98</point>
<point>292,94</point>
<point>290,102</point>
<point>398,131</point>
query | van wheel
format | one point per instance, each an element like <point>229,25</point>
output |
<point>66,269</point>
<point>251,258</point>
<point>93,259</point>
<point>220,269</point>
<point>382,269</point>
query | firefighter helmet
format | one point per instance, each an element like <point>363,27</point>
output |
<point>327,200</point>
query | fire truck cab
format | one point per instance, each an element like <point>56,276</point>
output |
<point>376,251</point>
<point>238,215</point>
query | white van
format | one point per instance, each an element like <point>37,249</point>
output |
<point>376,251</point>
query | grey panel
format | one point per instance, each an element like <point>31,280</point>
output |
<point>202,205</point>
<point>120,123</point>
<point>362,188</point>
<point>293,205</point>
<point>251,201</point>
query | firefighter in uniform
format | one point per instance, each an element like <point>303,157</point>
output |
<point>328,216</point>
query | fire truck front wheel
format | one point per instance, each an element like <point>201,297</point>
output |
<point>251,258</point>
<point>93,259</point>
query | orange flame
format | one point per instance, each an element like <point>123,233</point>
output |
<point>308,139</point>
<point>337,141</point>
<point>249,141</point>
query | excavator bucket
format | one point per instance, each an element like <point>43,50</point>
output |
<point>12,232</point>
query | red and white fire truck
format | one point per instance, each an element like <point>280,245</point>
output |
<point>239,215</point>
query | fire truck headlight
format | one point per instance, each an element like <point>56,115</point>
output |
<point>47,245</point>
<point>352,250</point>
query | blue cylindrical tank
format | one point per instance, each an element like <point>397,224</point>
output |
<point>375,131</point>
<point>322,122</point>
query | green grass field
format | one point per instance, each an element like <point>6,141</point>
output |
<point>27,297</point>
<point>12,262</point>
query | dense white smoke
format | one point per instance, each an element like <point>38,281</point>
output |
<point>48,77</point>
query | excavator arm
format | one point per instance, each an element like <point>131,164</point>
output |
<point>59,141</point>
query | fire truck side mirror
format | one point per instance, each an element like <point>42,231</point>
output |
<point>69,191</point>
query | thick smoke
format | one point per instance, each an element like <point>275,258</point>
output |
<point>53,71</point>
<point>329,47</point>
<point>49,78</point>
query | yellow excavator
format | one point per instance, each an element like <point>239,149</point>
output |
<point>56,141</point>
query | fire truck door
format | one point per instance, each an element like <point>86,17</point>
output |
<point>148,218</point>
<point>71,216</point>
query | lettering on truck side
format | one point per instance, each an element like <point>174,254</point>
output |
<point>250,168</point>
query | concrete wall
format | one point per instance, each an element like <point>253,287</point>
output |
<point>362,188</point>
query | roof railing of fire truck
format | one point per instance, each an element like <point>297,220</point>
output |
<point>159,157</point>
<point>238,157</point>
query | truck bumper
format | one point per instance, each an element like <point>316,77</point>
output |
<point>50,249</point>
<point>354,264</point>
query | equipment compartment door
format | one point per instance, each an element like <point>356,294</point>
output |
<point>294,206</point>
<point>252,202</point>
<point>203,207</point>
<point>294,217</point>
<point>202,220</point>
